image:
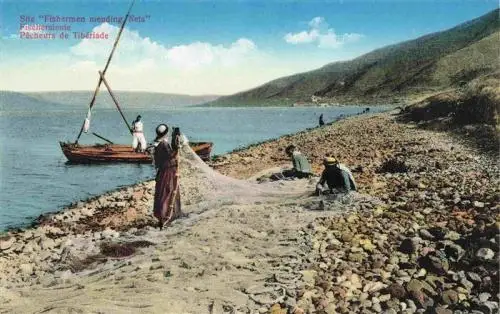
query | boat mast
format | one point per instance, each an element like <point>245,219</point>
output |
<point>106,67</point>
<point>114,100</point>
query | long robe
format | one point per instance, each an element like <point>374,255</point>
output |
<point>167,202</point>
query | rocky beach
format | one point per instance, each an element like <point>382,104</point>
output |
<point>420,236</point>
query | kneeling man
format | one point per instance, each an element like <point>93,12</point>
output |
<point>336,176</point>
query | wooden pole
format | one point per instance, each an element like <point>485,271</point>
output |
<point>114,100</point>
<point>102,138</point>
<point>175,212</point>
<point>96,91</point>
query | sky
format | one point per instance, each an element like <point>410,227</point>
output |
<point>204,47</point>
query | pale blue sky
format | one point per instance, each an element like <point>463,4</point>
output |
<point>220,47</point>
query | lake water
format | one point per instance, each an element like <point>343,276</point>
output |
<point>34,175</point>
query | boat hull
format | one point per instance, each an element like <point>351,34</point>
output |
<point>116,153</point>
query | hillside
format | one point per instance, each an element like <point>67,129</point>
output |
<point>27,101</point>
<point>14,101</point>
<point>127,98</point>
<point>472,112</point>
<point>430,63</point>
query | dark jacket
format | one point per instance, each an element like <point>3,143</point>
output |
<point>338,177</point>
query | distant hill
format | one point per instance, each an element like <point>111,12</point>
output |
<point>128,99</point>
<point>14,101</point>
<point>80,99</point>
<point>427,64</point>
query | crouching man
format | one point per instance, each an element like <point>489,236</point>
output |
<point>336,176</point>
<point>301,166</point>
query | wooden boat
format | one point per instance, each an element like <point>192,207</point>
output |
<point>111,153</point>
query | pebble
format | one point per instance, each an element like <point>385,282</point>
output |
<point>421,273</point>
<point>397,291</point>
<point>485,296</point>
<point>489,307</point>
<point>373,286</point>
<point>478,204</point>
<point>384,297</point>
<point>450,297</point>
<point>442,310</point>
<point>485,254</point>
<point>377,307</point>
<point>26,269</point>
<point>425,234</point>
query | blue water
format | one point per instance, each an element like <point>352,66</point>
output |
<point>34,175</point>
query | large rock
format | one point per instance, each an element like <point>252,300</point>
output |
<point>6,242</point>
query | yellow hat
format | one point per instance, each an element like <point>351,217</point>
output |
<point>329,161</point>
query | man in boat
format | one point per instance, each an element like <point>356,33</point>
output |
<point>337,176</point>
<point>167,200</point>
<point>301,167</point>
<point>138,141</point>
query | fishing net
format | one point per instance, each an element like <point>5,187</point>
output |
<point>203,188</point>
<point>205,185</point>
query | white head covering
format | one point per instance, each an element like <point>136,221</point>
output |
<point>161,131</point>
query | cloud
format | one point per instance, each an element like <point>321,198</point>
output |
<point>302,37</point>
<point>321,35</point>
<point>317,22</point>
<point>200,54</point>
<point>145,64</point>
<point>133,48</point>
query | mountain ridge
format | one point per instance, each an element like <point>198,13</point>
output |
<point>54,100</point>
<point>391,73</point>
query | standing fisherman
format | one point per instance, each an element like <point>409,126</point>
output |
<point>321,122</point>
<point>138,135</point>
<point>167,202</point>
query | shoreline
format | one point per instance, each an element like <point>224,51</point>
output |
<point>34,222</point>
<point>421,192</point>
